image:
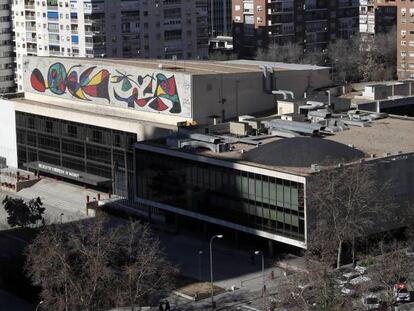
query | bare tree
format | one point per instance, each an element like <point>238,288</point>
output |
<point>288,53</point>
<point>94,265</point>
<point>389,267</point>
<point>345,203</point>
<point>144,269</point>
<point>314,289</point>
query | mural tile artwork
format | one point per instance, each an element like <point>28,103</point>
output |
<point>156,92</point>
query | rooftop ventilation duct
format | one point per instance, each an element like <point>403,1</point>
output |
<point>285,94</point>
<point>298,127</point>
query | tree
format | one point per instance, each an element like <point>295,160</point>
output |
<point>391,266</point>
<point>94,265</point>
<point>22,214</point>
<point>314,289</point>
<point>287,53</point>
<point>145,271</point>
<point>345,203</point>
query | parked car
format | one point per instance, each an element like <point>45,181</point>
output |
<point>361,269</point>
<point>401,293</point>
<point>410,251</point>
<point>371,302</point>
<point>359,280</point>
<point>346,277</point>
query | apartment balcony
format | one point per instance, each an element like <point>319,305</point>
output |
<point>30,18</point>
<point>29,7</point>
<point>31,39</point>
<point>31,50</point>
<point>52,8</point>
<point>54,52</point>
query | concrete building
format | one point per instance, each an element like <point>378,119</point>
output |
<point>111,28</point>
<point>312,24</point>
<point>376,17</point>
<point>392,97</point>
<point>6,49</point>
<point>79,118</point>
<point>240,183</point>
<point>219,18</point>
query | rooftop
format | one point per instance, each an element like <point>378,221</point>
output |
<point>195,67</point>
<point>383,137</point>
<point>278,65</point>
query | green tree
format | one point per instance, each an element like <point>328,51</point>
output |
<point>22,214</point>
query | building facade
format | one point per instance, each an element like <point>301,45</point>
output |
<point>79,118</point>
<point>6,49</point>
<point>111,28</point>
<point>219,18</point>
<point>262,190</point>
<point>310,23</point>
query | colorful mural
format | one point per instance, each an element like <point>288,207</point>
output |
<point>156,92</point>
<point>59,81</point>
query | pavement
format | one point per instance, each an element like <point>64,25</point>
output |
<point>58,198</point>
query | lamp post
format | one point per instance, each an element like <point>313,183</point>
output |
<point>38,305</point>
<point>264,279</point>
<point>219,236</point>
<point>199,264</point>
<point>61,217</point>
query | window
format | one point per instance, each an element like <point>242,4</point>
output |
<point>97,136</point>
<point>49,126</point>
<point>72,131</point>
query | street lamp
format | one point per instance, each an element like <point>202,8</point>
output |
<point>219,236</point>
<point>40,302</point>
<point>264,279</point>
<point>199,264</point>
<point>61,217</point>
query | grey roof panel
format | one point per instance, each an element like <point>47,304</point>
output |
<point>302,152</point>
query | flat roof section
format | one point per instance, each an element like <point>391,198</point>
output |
<point>277,65</point>
<point>193,67</point>
<point>197,67</point>
<point>383,137</point>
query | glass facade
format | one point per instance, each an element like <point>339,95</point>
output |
<point>256,201</point>
<point>90,149</point>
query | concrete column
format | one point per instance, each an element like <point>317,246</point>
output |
<point>271,248</point>
<point>378,106</point>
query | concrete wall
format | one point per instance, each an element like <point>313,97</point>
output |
<point>301,81</point>
<point>243,94</point>
<point>95,116</point>
<point>157,91</point>
<point>8,147</point>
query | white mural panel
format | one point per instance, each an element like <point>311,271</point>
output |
<point>157,91</point>
<point>8,146</point>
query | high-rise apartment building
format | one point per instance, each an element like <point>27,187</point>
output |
<point>381,16</point>
<point>311,23</point>
<point>6,49</point>
<point>110,28</point>
<point>405,38</point>
<point>376,17</point>
<point>219,18</point>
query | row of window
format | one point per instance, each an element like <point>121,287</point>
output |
<point>253,200</point>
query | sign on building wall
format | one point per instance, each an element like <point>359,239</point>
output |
<point>157,91</point>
